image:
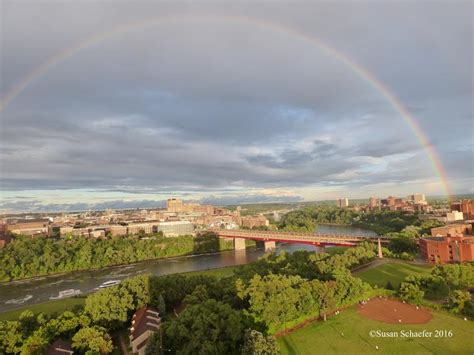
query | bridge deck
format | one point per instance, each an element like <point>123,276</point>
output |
<point>297,237</point>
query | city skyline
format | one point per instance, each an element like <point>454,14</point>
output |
<point>135,104</point>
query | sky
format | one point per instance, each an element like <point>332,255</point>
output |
<point>231,101</point>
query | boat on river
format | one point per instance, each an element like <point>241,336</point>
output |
<point>19,300</point>
<point>109,283</point>
<point>65,294</point>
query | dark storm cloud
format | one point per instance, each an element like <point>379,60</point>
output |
<point>206,106</point>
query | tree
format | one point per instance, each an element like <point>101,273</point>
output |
<point>28,321</point>
<point>92,340</point>
<point>458,299</point>
<point>389,285</point>
<point>410,292</point>
<point>276,299</point>
<point>457,276</point>
<point>325,293</point>
<point>199,295</point>
<point>160,304</point>
<point>35,344</point>
<point>209,328</point>
<point>402,244</point>
<point>11,337</point>
<point>153,345</point>
<point>255,343</point>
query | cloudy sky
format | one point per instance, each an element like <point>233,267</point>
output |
<point>231,101</point>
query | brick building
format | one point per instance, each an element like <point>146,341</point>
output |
<point>450,249</point>
<point>254,221</point>
<point>464,206</point>
<point>31,227</point>
<point>145,322</point>
<point>455,228</point>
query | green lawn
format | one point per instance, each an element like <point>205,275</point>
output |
<point>51,307</point>
<point>349,333</point>
<point>395,272</point>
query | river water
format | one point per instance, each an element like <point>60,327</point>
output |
<point>42,288</point>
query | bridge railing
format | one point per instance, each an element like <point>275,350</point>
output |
<point>292,235</point>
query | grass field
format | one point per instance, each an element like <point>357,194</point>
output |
<point>219,272</point>
<point>52,307</point>
<point>393,271</point>
<point>349,333</point>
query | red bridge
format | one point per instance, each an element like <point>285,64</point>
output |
<point>270,237</point>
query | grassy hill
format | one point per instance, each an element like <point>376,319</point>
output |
<point>393,271</point>
<point>349,333</point>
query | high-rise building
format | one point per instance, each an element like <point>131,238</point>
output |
<point>464,206</point>
<point>418,199</point>
<point>343,202</point>
<point>374,202</point>
<point>467,208</point>
<point>391,201</point>
<point>174,205</point>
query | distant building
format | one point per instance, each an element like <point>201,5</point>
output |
<point>175,228</point>
<point>343,202</point>
<point>374,202</point>
<point>454,248</point>
<point>418,199</point>
<point>118,230</point>
<point>4,240</point>
<point>174,205</point>
<point>454,216</point>
<point>457,228</point>
<point>59,347</point>
<point>145,322</point>
<point>30,227</point>
<point>464,206</point>
<point>254,221</point>
<point>135,228</point>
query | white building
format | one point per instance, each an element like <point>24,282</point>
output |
<point>343,202</point>
<point>454,216</point>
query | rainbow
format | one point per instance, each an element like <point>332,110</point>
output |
<point>339,56</point>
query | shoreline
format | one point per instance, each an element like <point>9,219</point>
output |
<point>45,276</point>
<point>84,295</point>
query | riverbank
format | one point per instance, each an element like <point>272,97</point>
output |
<point>50,275</point>
<point>50,256</point>
<point>59,306</point>
<point>224,246</point>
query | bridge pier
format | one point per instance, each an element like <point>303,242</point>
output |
<point>379,247</point>
<point>239,243</point>
<point>270,246</point>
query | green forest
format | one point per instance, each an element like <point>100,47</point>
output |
<point>381,221</point>
<point>25,257</point>
<point>403,228</point>
<point>237,314</point>
<point>242,311</point>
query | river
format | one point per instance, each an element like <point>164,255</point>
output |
<point>42,288</point>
